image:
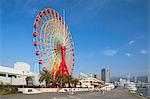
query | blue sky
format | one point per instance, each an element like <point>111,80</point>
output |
<point>107,33</point>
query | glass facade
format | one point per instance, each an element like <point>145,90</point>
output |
<point>105,75</point>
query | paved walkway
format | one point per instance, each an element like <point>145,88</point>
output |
<point>114,94</point>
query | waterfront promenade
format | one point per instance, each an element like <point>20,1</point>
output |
<point>114,94</point>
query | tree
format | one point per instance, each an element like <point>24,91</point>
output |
<point>69,80</point>
<point>46,76</point>
<point>63,80</point>
<point>75,82</point>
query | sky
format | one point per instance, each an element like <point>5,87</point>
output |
<point>106,33</point>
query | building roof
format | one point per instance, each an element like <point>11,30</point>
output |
<point>9,70</point>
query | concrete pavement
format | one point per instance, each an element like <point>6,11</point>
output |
<point>114,94</point>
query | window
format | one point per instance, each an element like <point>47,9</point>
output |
<point>3,75</point>
<point>12,76</point>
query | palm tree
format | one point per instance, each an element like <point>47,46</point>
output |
<point>46,75</point>
<point>62,80</point>
<point>75,81</point>
<point>69,80</point>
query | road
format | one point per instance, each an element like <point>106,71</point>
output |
<point>114,94</point>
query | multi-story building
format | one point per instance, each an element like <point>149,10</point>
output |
<point>89,82</point>
<point>105,75</point>
<point>143,79</point>
<point>148,79</point>
<point>16,75</point>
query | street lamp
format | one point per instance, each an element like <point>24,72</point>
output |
<point>23,78</point>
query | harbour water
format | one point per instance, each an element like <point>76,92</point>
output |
<point>144,91</point>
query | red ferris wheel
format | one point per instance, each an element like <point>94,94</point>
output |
<point>53,43</point>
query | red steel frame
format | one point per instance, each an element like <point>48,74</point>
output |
<point>63,70</point>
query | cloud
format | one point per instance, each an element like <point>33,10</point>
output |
<point>143,51</point>
<point>110,52</point>
<point>93,7</point>
<point>139,37</point>
<point>131,42</point>
<point>128,54</point>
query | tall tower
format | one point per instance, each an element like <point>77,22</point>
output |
<point>105,75</point>
<point>148,79</point>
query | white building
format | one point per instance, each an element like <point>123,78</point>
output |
<point>89,82</point>
<point>16,75</point>
<point>108,86</point>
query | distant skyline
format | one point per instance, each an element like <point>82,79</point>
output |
<point>107,33</point>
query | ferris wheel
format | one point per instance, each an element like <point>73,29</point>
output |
<point>53,43</point>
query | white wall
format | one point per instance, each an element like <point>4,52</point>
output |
<point>21,66</point>
<point>20,69</point>
<point>13,81</point>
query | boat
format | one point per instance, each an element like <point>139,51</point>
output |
<point>130,86</point>
<point>127,84</point>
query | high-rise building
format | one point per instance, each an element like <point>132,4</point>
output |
<point>142,79</point>
<point>148,79</point>
<point>133,79</point>
<point>105,75</point>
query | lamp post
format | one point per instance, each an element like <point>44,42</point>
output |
<point>23,78</point>
<point>11,80</point>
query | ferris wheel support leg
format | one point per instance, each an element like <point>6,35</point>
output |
<point>66,70</point>
<point>58,73</point>
<point>62,67</point>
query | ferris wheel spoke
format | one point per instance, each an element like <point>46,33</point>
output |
<point>69,51</point>
<point>67,34</point>
<point>45,35</point>
<point>48,60</point>
<point>45,57</point>
<point>55,65</point>
<point>69,42</point>
<point>43,49</point>
<point>70,54</point>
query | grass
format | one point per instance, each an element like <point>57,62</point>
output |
<point>7,92</point>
